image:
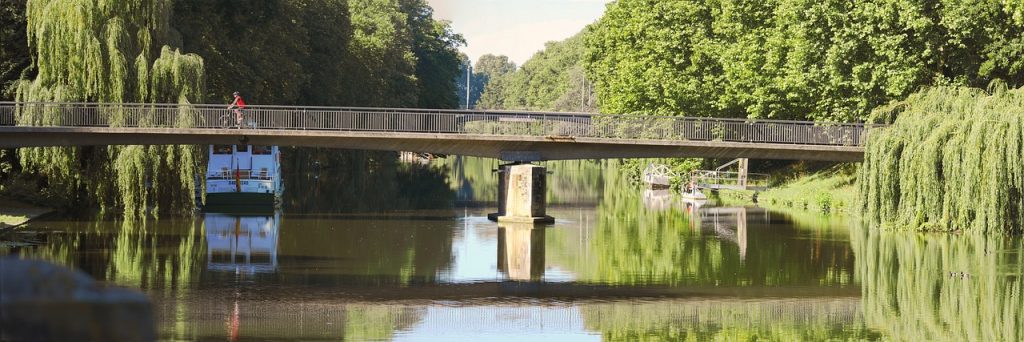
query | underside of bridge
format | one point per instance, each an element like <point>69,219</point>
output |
<point>510,148</point>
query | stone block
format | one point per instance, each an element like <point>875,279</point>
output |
<point>40,301</point>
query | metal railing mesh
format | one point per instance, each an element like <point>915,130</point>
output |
<point>506,123</point>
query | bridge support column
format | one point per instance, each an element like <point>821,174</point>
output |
<point>744,166</point>
<point>521,194</point>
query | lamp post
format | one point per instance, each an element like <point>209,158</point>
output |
<point>469,68</point>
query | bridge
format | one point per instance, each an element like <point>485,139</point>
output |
<point>515,136</point>
<point>506,135</point>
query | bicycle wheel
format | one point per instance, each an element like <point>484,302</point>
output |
<point>226,121</point>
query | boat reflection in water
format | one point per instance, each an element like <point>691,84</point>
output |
<point>242,243</point>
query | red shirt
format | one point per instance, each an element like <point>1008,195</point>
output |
<point>239,102</point>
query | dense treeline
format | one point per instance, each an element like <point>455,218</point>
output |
<point>15,60</point>
<point>552,80</point>
<point>488,68</point>
<point>796,59</point>
<point>316,52</point>
<point>779,59</point>
<point>325,52</point>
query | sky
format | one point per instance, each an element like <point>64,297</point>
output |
<point>515,28</point>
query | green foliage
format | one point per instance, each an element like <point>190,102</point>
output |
<point>104,51</point>
<point>824,201</point>
<point>830,190</point>
<point>256,48</point>
<point>553,80</point>
<point>569,181</point>
<point>491,66</point>
<point>437,60</point>
<point>15,59</point>
<point>324,52</point>
<point>795,59</point>
<point>383,52</point>
<point>951,161</point>
<point>488,67</point>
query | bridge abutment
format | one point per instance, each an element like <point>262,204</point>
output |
<point>522,191</point>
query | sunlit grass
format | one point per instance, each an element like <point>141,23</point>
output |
<point>13,220</point>
<point>13,213</point>
<point>828,191</point>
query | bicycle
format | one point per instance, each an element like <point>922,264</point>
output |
<point>231,120</point>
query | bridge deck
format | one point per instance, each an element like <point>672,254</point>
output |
<point>546,136</point>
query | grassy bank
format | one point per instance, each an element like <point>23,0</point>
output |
<point>831,190</point>
<point>825,190</point>
<point>13,213</point>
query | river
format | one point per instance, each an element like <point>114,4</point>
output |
<point>410,255</point>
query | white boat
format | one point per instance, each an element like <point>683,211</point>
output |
<point>241,176</point>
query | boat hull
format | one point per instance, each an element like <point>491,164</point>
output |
<point>240,201</point>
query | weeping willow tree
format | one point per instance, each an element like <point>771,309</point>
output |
<point>951,161</point>
<point>111,51</point>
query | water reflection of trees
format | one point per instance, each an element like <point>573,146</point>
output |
<point>728,320</point>
<point>321,251</point>
<point>931,287</point>
<point>168,259</point>
<point>152,255</point>
<point>337,181</point>
<point>637,245</point>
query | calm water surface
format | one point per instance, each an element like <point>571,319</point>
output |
<point>619,264</point>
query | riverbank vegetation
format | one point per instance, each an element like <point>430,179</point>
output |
<point>830,190</point>
<point>783,59</point>
<point>13,213</point>
<point>794,59</point>
<point>951,161</point>
<point>323,52</point>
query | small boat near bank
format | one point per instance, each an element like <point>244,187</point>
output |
<point>243,176</point>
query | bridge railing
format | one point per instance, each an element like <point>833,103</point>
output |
<point>713,178</point>
<point>513,123</point>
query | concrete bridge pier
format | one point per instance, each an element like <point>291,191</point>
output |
<point>521,251</point>
<point>522,191</point>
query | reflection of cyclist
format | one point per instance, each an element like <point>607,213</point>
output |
<point>238,104</point>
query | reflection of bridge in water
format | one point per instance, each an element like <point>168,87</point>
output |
<point>317,318</point>
<point>333,309</point>
<point>728,223</point>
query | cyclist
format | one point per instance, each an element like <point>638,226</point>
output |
<point>238,104</point>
